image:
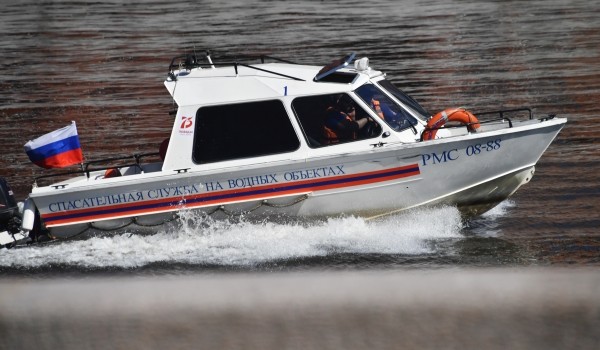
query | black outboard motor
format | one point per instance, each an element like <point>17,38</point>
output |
<point>10,219</point>
<point>9,211</point>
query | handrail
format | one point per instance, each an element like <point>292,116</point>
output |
<point>135,156</point>
<point>454,126</point>
<point>85,167</point>
<point>137,165</point>
<point>190,61</point>
<point>502,111</point>
<point>35,179</point>
<point>265,70</point>
<point>262,59</point>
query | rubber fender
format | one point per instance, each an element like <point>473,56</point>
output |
<point>28,215</point>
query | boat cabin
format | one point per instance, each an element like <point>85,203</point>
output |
<point>232,114</point>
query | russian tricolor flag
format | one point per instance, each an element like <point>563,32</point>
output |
<point>57,149</point>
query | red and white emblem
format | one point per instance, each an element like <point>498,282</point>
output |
<point>186,122</point>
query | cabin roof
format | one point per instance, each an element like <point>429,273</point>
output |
<point>229,84</point>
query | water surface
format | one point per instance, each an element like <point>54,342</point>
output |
<point>103,63</point>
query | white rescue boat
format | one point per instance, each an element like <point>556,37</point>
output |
<point>272,140</point>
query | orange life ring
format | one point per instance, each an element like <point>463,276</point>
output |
<point>450,114</point>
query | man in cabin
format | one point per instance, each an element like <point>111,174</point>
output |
<point>341,124</point>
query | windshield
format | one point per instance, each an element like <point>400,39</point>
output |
<point>404,98</point>
<point>393,114</point>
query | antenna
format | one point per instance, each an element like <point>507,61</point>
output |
<point>209,60</point>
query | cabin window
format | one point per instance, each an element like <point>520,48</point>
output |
<point>389,111</point>
<point>339,77</point>
<point>242,130</point>
<point>333,119</point>
<point>404,98</point>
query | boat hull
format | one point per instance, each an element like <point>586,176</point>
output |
<point>473,171</point>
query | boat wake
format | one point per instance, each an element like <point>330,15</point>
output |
<point>488,224</point>
<point>500,210</point>
<point>199,241</point>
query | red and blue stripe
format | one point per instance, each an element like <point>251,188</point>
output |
<point>228,196</point>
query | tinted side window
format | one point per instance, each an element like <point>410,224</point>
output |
<point>333,119</point>
<point>242,130</point>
